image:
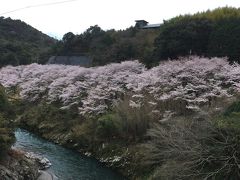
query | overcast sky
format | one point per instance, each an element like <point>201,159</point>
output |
<point>77,15</point>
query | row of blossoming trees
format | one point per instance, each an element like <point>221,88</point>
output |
<point>195,81</point>
<point>141,97</point>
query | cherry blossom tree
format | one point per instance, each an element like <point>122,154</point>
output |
<point>194,81</point>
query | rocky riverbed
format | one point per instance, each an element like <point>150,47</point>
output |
<point>16,166</point>
<point>20,165</point>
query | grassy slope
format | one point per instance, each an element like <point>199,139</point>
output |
<point>86,136</point>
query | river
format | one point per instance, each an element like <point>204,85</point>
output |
<point>66,164</point>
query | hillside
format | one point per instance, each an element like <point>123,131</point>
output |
<point>176,120</point>
<point>182,105</point>
<point>20,43</point>
<point>212,33</point>
<point>109,46</point>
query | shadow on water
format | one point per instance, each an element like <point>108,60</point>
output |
<point>66,164</point>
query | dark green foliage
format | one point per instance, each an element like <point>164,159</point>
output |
<point>6,133</point>
<point>49,119</point>
<point>225,39</point>
<point>185,37</point>
<point>212,33</point>
<point>108,126</point>
<point>234,108</point>
<point>20,43</point>
<point>3,100</point>
<point>108,46</point>
<point>231,118</point>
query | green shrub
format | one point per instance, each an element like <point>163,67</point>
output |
<point>3,100</point>
<point>7,137</point>
<point>108,126</point>
<point>36,115</point>
<point>6,134</point>
<point>230,118</point>
<point>83,134</point>
<point>235,107</point>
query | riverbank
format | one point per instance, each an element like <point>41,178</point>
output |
<point>123,153</point>
<point>16,166</point>
<point>139,121</point>
<point>66,164</point>
<point>124,157</point>
<point>21,165</point>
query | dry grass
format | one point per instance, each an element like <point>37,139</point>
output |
<point>134,121</point>
<point>193,148</point>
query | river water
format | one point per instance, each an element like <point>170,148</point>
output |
<point>66,164</point>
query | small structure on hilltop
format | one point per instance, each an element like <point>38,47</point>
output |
<point>142,24</point>
<point>83,61</point>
